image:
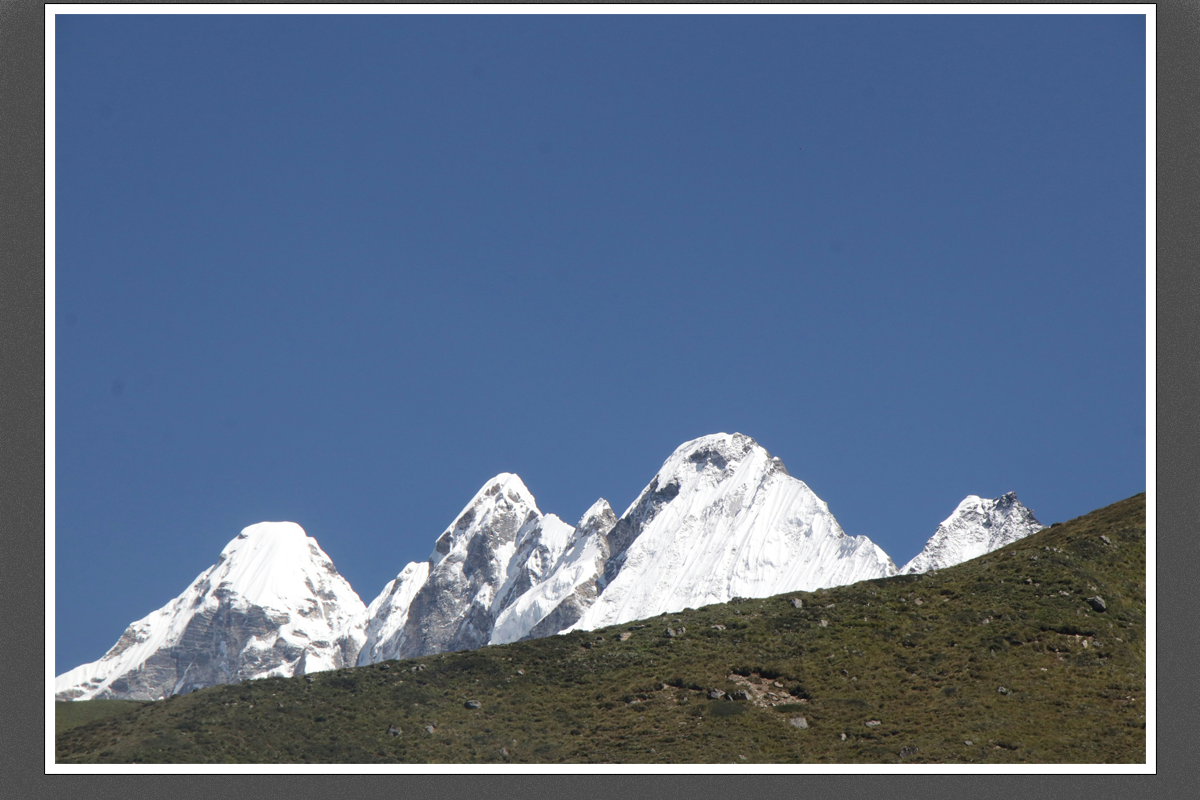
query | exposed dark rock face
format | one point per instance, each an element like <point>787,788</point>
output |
<point>567,613</point>
<point>456,607</point>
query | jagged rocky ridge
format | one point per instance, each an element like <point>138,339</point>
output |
<point>722,518</point>
<point>273,604</point>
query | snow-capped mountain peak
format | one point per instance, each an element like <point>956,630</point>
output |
<point>977,526</point>
<point>722,518</point>
<point>497,511</point>
<point>273,603</point>
<point>597,514</point>
<point>499,548</point>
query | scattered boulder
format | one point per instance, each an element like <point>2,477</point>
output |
<point>968,743</point>
<point>1105,539</point>
<point>417,668</point>
<point>394,730</point>
<point>504,752</point>
<point>520,672</point>
<point>715,694</point>
<point>873,723</point>
<point>824,623</point>
<point>908,752</point>
<point>670,633</point>
<point>1002,690</point>
<point>842,736</point>
<point>430,729</point>
<point>624,637</point>
<point>796,602</point>
<point>309,679</point>
<point>472,704</point>
<point>799,722</point>
<point>385,666</point>
<point>741,694</point>
<point>718,627</point>
<point>1097,603</point>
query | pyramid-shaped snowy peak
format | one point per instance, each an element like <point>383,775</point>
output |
<point>978,526</point>
<point>273,604</point>
<point>721,519</point>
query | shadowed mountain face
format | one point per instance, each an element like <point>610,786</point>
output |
<point>454,609</point>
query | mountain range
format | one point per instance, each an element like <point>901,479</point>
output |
<point>722,519</point>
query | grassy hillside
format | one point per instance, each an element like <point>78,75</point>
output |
<point>998,660</point>
<point>72,715</point>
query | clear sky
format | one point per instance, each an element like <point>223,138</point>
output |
<point>343,270</point>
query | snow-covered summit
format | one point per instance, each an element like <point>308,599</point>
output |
<point>498,549</point>
<point>271,605</point>
<point>978,526</point>
<point>722,518</point>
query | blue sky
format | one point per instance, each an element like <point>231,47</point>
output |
<point>343,270</point>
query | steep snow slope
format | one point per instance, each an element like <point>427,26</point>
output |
<point>273,604</point>
<point>568,588</point>
<point>375,635</point>
<point>721,519</point>
<point>976,527</point>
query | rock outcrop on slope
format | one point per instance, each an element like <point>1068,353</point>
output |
<point>977,527</point>
<point>273,604</point>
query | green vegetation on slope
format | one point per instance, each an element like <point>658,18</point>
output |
<point>998,660</point>
<point>72,715</point>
